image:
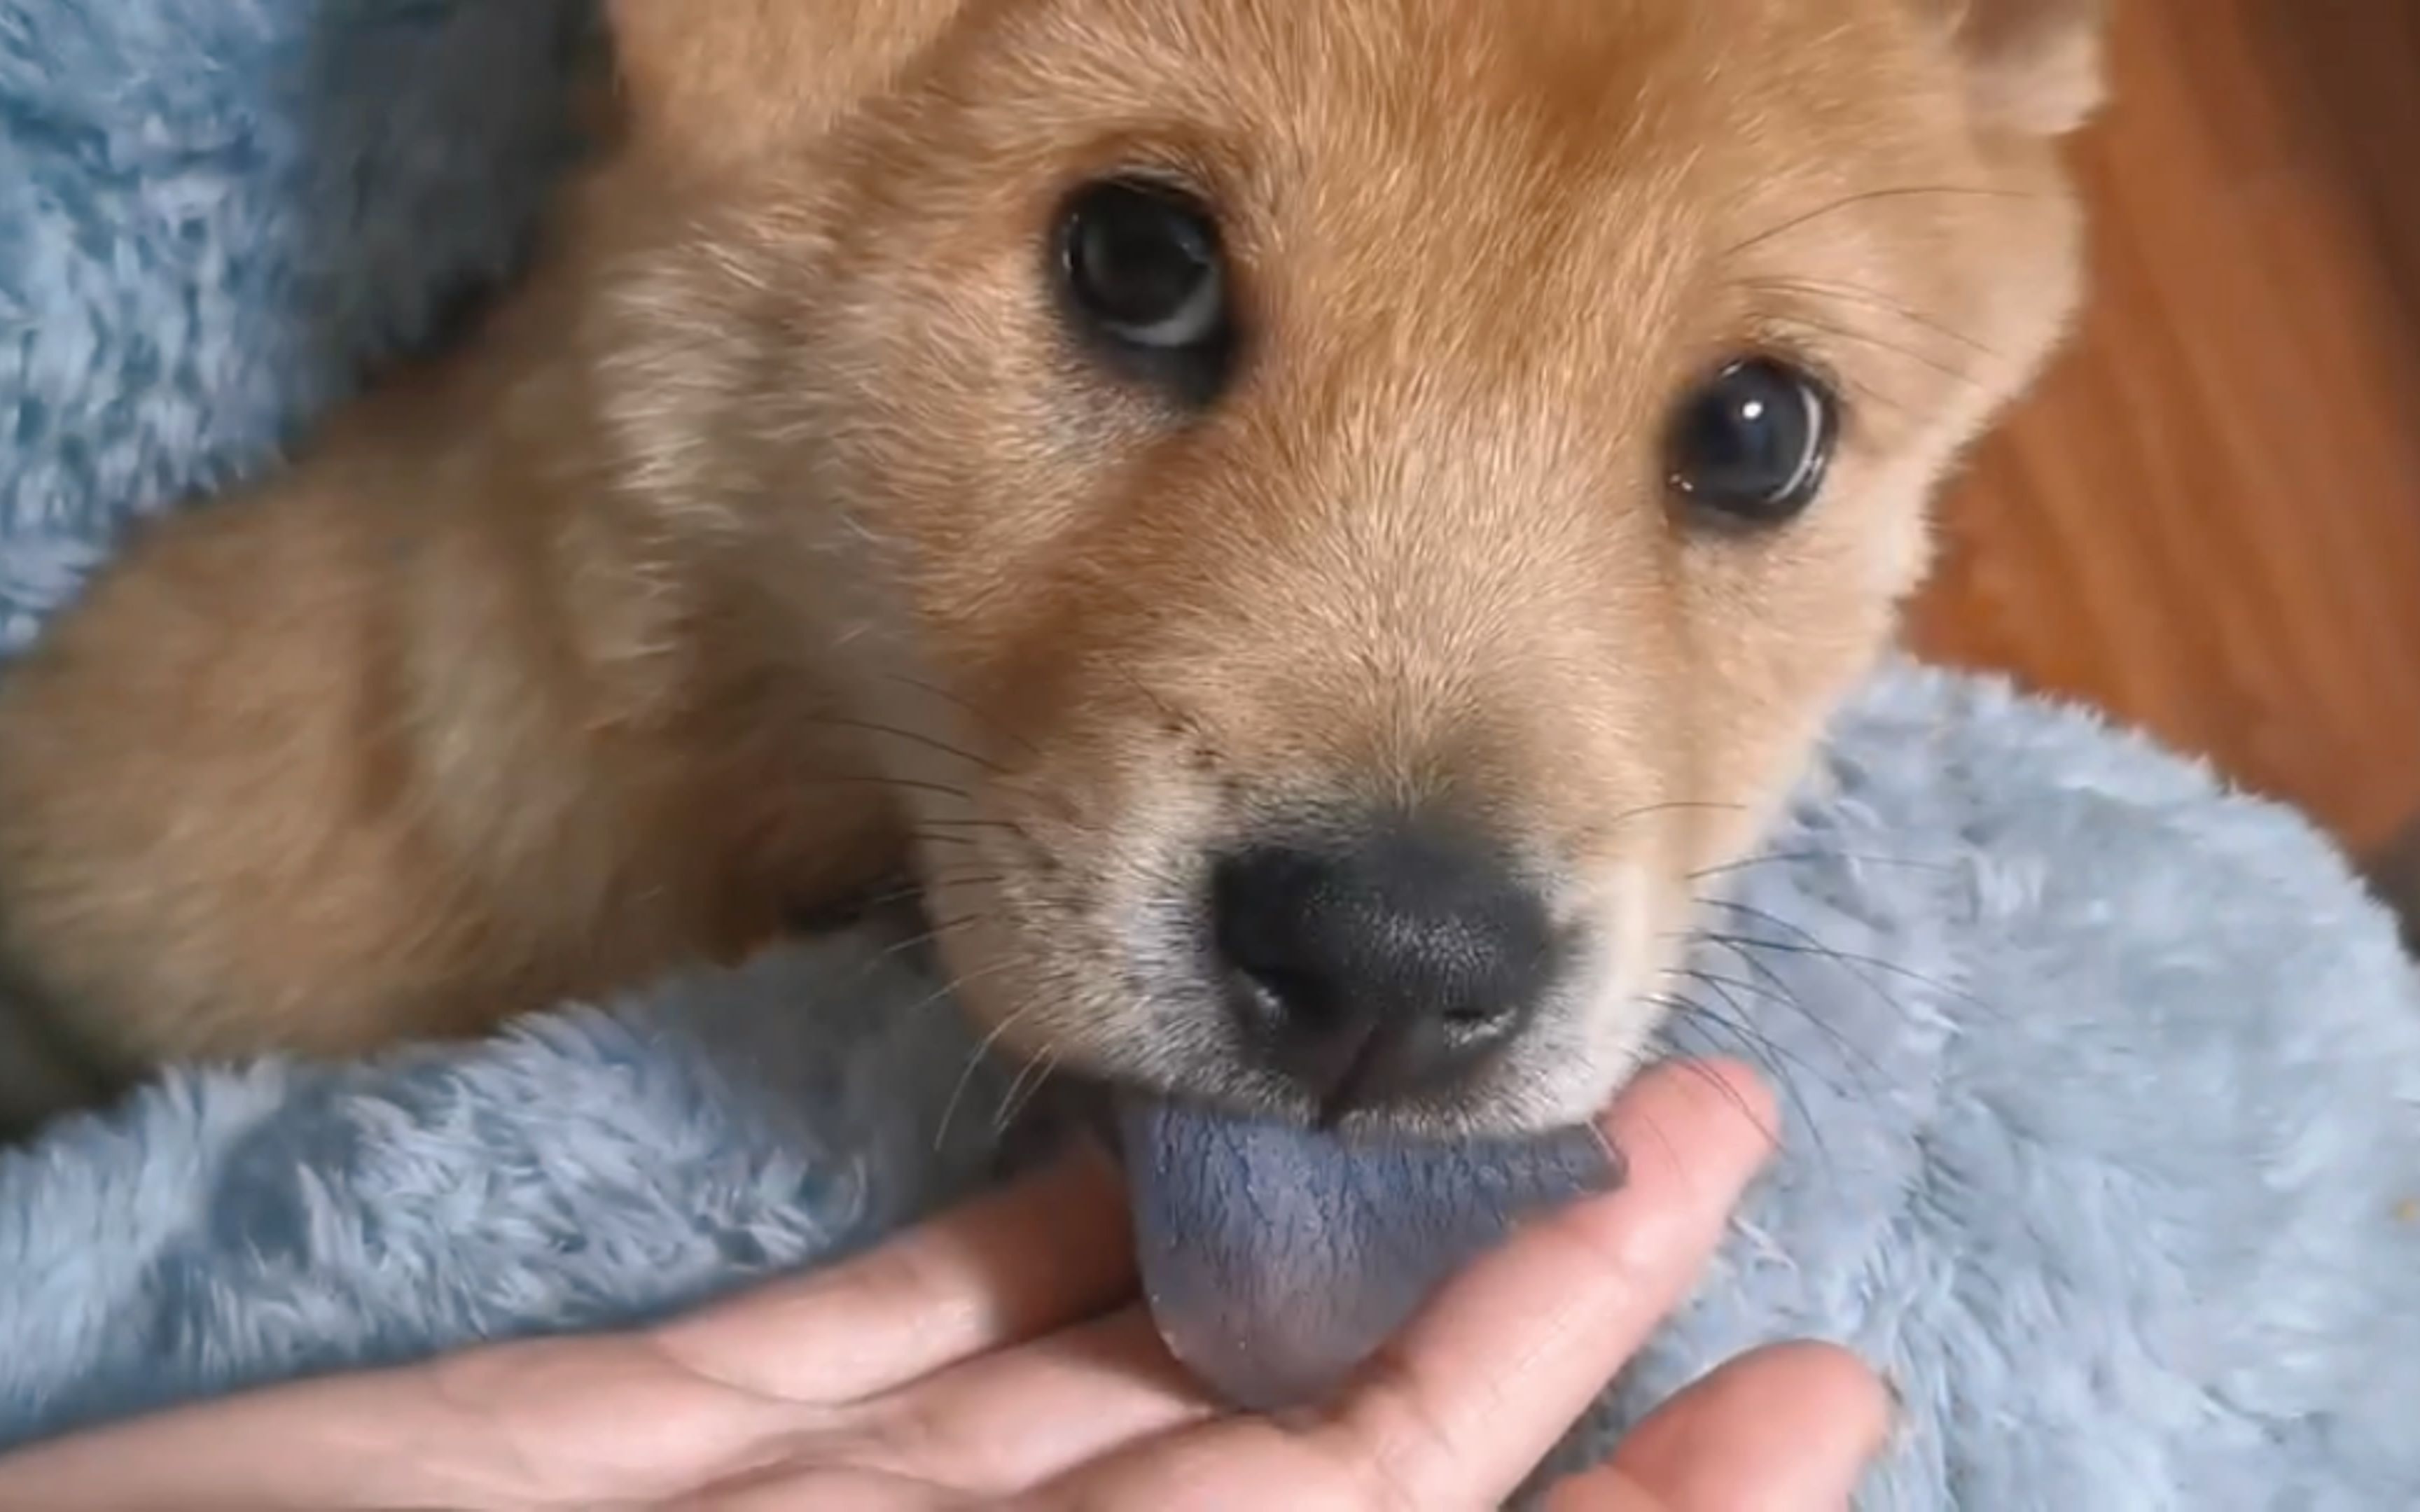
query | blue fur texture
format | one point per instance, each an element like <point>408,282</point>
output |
<point>214,212</point>
<point>2101,1085</point>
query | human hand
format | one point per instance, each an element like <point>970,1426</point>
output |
<point>997,1356</point>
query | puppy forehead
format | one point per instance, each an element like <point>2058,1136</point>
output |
<point>1547,149</point>
<point>1450,85</point>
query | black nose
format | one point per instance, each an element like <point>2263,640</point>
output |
<point>1385,965</point>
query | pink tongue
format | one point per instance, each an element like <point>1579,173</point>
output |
<point>1276,1258</point>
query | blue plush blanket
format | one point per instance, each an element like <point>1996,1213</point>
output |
<point>2102,1087</point>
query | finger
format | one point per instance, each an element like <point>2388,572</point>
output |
<point>1009,1421</point>
<point>1484,1384</point>
<point>1038,1255</point>
<point>1789,1429</point>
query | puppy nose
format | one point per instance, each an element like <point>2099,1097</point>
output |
<point>1390,965</point>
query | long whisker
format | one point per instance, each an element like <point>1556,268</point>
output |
<point>1874,300</point>
<point>1813,946</point>
<point>910,785</point>
<point>1673,805</point>
<point>1900,349</point>
<point>910,891</point>
<point>1615,1160</point>
<point>1683,1012</point>
<point>916,941</point>
<point>1013,1105</point>
<point>989,720</point>
<point>1648,810</point>
<point>1872,395</point>
<point>1867,197</point>
<point>912,737</point>
<point>975,1058</point>
<point>1762,1050</point>
<point>1801,857</point>
<point>1671,1149</point>
<point>1191,724</point>
<point>952,988</point>
<point>934,836</point>
<point>1779,993</point>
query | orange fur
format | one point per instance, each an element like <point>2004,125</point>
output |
<point>776,534</point>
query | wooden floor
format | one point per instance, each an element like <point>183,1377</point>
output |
<point>2207,519</point>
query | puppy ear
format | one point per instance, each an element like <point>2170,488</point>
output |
<point>2036,66</point>
<point>719,83</point>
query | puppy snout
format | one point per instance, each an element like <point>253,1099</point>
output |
<point>1388,964</point>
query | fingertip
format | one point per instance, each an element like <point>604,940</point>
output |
<point>1716,1103</point>
<point>1793,1425</point>
<point>1866,1407</point>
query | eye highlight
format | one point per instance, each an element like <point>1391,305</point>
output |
<point>1146,284</point>
<point>1751,444</point>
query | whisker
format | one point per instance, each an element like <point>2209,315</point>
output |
<point>1871,197</point>
<point>1013,1107</point>
<point>932,837</point>
<point>1854,858</point>
<point>1872,395</point>
<point>1647,811</point>
<point>908,783</point>
<point>912,891</point>
<point>975,1058</point>
<point>1764,1052</point>
<point>1613,1156</point>
<point>1188,722</point>
<point>898,947</point>
<point>989,720</point>
<point>951,988</point>
<point>1686,1013</point>
<point>1817,947</point>
<point>1671,1149</point>
<point>1874,300</point>
<point>1779,992</point>
<point>1672,804</point>
<point>912,737</point>
<point>1900,349</point>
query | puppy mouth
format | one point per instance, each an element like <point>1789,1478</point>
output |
<point>1324,1123</point>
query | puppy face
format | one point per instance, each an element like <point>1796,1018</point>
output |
<point>1340,514</point>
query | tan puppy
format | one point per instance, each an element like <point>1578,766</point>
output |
<point>1306,522</point>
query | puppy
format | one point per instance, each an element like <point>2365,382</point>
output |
<point>1304,525</point>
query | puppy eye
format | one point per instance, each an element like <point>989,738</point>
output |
<point>1752,442</point>
<point>1146,278</point>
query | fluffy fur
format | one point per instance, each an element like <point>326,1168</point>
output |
<point>215,216</point>
<point>781,531</point>
<point>2103,1140</point>
<point>213,213</point>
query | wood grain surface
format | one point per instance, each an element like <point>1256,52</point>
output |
<point>2208,518</point>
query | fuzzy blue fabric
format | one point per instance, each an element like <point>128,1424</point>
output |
<point>213,213</point>
<point>2101,1085</point>
<point>2102,1138</point>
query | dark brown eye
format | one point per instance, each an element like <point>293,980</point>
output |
<point>1147,283</point>
<point>1751,443</point>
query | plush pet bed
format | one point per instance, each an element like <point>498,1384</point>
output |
<point>2102,1087</point>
